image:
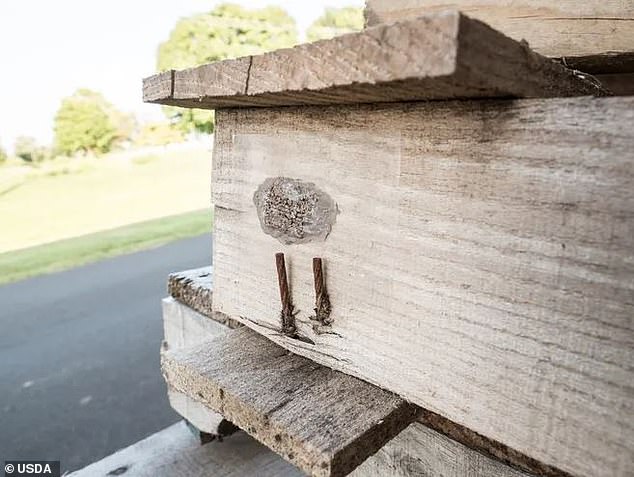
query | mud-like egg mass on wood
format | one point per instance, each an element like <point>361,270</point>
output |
<point>294,211</point>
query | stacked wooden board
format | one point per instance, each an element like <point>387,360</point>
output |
<point>429,443</point>
<point>478,248</point>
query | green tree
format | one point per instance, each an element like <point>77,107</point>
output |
<point>87,122</point>
<point>335,22</point>
<point>228,31</point>
<point>27,149</point>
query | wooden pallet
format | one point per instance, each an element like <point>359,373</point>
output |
<point>477,253</point>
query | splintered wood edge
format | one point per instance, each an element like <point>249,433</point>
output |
<point>194,288</point>
<point>439,56</point>
<point>184,370</point>
<point>159,86</point>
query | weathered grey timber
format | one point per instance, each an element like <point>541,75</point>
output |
<point>194,288</point>
<point>323,421</point>
<point>438,56</point>
<point>577,30</point>
<point>481,265</point>
<point>175,452</point>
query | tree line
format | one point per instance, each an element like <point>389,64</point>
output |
<point>87,123</point>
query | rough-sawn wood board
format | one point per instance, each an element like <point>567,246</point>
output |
<point>323,421</point>
<point>439,56</point>
<point>481,264</point>
<point>580,31</point>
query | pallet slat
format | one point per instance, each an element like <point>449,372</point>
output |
<point>184,327</point>
<point>440,56</point>
<point>195,289</point>
<point>323,421</point>
<point>175,452</point>
<point>578,30</point>
<point>480,264</point>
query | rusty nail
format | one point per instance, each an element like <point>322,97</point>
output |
<point>322,301</point>
<point>319,280</point>
<point>288,320</point>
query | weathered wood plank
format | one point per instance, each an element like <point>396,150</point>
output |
<point>420,451</point>
<point>194,288</point>
<point>183,327</point>
<point>211,422</point>
<point>175,452</point>
<point>161,86</point>
<point>483,445</point>
<point>440,56</point>
<point>563,28</point>
<point>323,421</point>
<point>481,263</point>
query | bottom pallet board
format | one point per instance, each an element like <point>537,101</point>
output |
<point>175,452</point>
<point>323,421</point>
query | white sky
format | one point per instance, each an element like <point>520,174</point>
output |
<point>49,48</point>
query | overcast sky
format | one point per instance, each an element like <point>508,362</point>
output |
<point>49,48</point>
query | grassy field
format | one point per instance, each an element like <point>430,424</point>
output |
<point>68,212</point>
<point>68,198</point>
<point>64,254</point>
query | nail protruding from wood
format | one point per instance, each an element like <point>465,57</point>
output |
<point>286,316</point>
<point>322,300</point>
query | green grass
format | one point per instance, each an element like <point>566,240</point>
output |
<point>66,198</point>
<point>64,254</point>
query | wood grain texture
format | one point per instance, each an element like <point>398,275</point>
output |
<point>495,450</point>
<point>415,449</point>
<point>420,451</point>
<point>161,86</point>
<point>439,56</point>
<point>175,452</point>
<point>323,421</point>
<point>194,330</point>
<point>563,28</point>
<point>183,327</point>
<point>481,265</point>
<point>194,288</point>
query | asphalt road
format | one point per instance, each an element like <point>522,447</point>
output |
<point>79,356</point>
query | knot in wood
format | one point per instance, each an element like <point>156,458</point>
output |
<point>294,211</point>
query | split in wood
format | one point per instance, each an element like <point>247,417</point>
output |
<point>286,315</point>
<point>322,300</point>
